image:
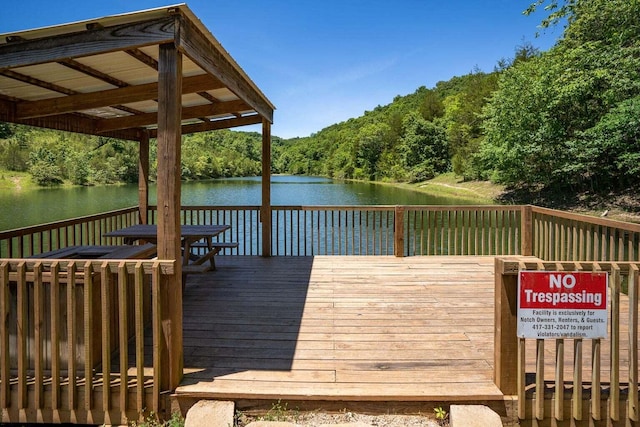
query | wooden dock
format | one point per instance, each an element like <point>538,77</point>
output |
<point>330,328</point>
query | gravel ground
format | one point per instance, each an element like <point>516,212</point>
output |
<point>316,419</point>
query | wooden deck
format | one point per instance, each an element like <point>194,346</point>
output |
<point>341,329</point>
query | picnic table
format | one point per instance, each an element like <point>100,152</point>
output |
<point>197,243</point>
<point>102,252</point>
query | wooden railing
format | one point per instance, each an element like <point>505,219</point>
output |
<point>332,230</point>
<point>86,230</point>
<point>591,382</point>
<point>369,230</point>
<point>77,339</point>
<point>564,236</point>
<point>461,230</point>
<point>244,221</point>
<point>36,369</point>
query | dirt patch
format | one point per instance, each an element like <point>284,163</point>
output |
<point>622,205</point>
<point>17,182</point>
<point>314,419</point>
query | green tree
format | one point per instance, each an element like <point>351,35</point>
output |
<point>44,168</point>
<point>463,119</point>
<point>5,130</point>
<point>519,145</point>
<point>370,145</point>
<point>424,148</point>
<point>607,155</point>
<point>546,107</point>
<point>558,10</point>
<point>78,170</point>
<point>431,106</point>
<point>14,156</point>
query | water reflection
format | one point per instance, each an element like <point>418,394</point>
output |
<point>46,205</point>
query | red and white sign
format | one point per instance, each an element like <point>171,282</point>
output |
<point>556,304</point>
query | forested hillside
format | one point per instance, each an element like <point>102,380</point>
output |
<point>55,157</point>
<point>412,139</point>
<point>567,119</point>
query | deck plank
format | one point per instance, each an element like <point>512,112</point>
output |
<point>341,328</point>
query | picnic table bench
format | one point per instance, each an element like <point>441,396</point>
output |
<point>102,252</point>
<point>211,249</point>
<point>197,243</point>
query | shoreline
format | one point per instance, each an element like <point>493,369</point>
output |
<point>450,186</point>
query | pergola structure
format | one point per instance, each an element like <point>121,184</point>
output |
<point>158,74</point>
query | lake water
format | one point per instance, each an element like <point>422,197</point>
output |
<point>46,205</point>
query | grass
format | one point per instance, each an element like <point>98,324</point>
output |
<point>176,420</point>
<point>16,181</point>
<point>451,186</point>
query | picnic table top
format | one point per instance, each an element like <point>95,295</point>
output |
<point>101,252</point>
<point>150,231</point>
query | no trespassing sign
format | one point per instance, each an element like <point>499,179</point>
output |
<point>555,304</point>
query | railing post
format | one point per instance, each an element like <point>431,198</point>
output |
<point>265,209</point>
<point>168,188</point>
<point>398,231</point>
<point>526,230</point>
<point>143,179</point>
<point>505,374</point>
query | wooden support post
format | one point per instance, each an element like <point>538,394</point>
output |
<point>265,210</point>
<point>143,179</point>
<point>526,231</point>
<point>169,136</point>
<point>398,231</point>
<point>505,373</point>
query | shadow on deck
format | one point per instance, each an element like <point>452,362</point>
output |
<point>341,329</point>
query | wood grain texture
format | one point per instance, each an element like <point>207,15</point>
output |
<point>341,328</point>
<point>93,42</point>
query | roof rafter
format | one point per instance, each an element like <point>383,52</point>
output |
<point>87,101</point>
<point>194,44</point>
<point>84,69</point>
<point>216,125</point>
<point>230,107</point>
<point>45,98</point>
<point>54,87</point>
<point>80,124</point>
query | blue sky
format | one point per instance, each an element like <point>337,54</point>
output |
<point>323,62</point>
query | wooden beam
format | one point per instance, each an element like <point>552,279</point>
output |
<point>87,101</point>
<point>208,96</point>
<point>147,119</point>
<point>213,60</point>
<point>505,366</point>
<point>168,195</point>
<point>91,42</point>
<point>7,110</point>
<point>76,123</point>
<point>143,57</point>
<point>96,74</point>
<point>37,82</point>
<point>216,125</point>
<point>53,87</point>
<point>265,210</point>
